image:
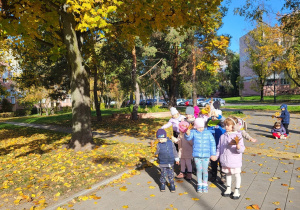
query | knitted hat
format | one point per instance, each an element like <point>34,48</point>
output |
<point>161,133</point>
<point>173,111</point>
<point>217,104</point>
<point>189,110</point>
<point>199,123</point>
<point>196,111</point>
<point>183,126</point>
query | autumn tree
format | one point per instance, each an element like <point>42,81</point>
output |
<point>263,47</point>
<point>62,25</point>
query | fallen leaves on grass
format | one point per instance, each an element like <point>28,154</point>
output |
<point>36,168</point>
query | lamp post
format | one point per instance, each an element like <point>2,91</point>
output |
<point>273,59</point>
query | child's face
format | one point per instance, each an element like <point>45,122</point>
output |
<point>277,126</point>
<point>175,116</point>
<point>282,109</point>
<point>229,127</point>
<point>200,129</point>
<point>189,116</point>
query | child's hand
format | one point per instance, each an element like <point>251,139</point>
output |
<point>177,162</point>
<point>238,146</point>
<point>188,132</point>
<point>213,158</point>
<point>174,139</point>
<point>253,140</point>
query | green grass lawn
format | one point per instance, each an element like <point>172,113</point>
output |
<point>267,99</point>
<point>291,108</point>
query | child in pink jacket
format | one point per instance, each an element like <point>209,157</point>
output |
<point>185,152</point>
<point>230,149</point>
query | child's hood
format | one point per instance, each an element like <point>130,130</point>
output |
<point>283,106</point>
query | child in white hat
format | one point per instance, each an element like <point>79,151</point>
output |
<point>174,122</point>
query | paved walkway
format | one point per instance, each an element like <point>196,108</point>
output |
<point>268,180</point>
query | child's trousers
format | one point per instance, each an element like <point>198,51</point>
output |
<point>166,172</point>
<point>214,168</point>
<point>277,135</point>
<point>186,163</point>
<point>202,170</point>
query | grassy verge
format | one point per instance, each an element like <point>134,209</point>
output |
<point>35,171</point>
<point>267,99</point>
<point>291,108</point>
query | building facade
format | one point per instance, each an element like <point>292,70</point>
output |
<point>277,81</point>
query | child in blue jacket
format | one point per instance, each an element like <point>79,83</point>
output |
<point>204,148</point>
<point>285,118</point>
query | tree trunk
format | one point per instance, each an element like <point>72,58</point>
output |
<point>194,76</point>
<point>261,91</point>
<point>97,106</point>
<point>136,86</point>
<point>174,76</point>
<point>80,89</point>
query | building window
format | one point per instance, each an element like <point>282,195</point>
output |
<point>13,100</point>
<point>269,82</point>
<point>284,82</point>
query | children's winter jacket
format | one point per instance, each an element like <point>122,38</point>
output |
<point>281,130</point>
<point>285,115</point>
<point>229,156</point>
<point>185,148</point>
<point>166,152</point>
<point>175,123</point>
<point>204,144</point>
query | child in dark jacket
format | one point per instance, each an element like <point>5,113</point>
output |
<point>167,154</point>
<point>285,118</point>
<point>278,131</point>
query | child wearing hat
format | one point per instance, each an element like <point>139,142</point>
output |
<point>204,148</point>
<point>185,152</point>
<point>174,121</point>
<point>167,155</point>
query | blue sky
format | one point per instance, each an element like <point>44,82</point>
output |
<point>237,26</point>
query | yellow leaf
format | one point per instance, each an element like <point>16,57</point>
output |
<point>185,193</point>
<point>285,171</point>
<point>276,203</point>
<point>195,199</point>
<point>180,193</point>
<point>125,207</point>
<point>124,188</point>
<point>291,188</point>
<point>152,195</point>
<point>152,187</point>
<point>212,185</point>
<point>248,199</point>
<point>57,194</point>
<point>17,201</point>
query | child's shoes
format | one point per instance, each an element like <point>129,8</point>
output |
<point>180,175</point>
<point>236,195</point>
<point>172,188</point>
<point>188,176</point>
<point>163,187</point>
<point>199,188</point>
<point>227,192</point>
<point>205,188</point>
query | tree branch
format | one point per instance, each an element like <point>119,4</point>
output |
<point>151,68</point>
<point>289,75</point>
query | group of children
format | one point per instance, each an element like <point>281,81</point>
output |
<point>280,129</point>
<point>202,137</point>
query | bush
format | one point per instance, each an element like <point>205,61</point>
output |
<point>67,109</point>
<point>6,105</point>
<point>34,110</point>
<point>6,114</point>
<point>22,112</point>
